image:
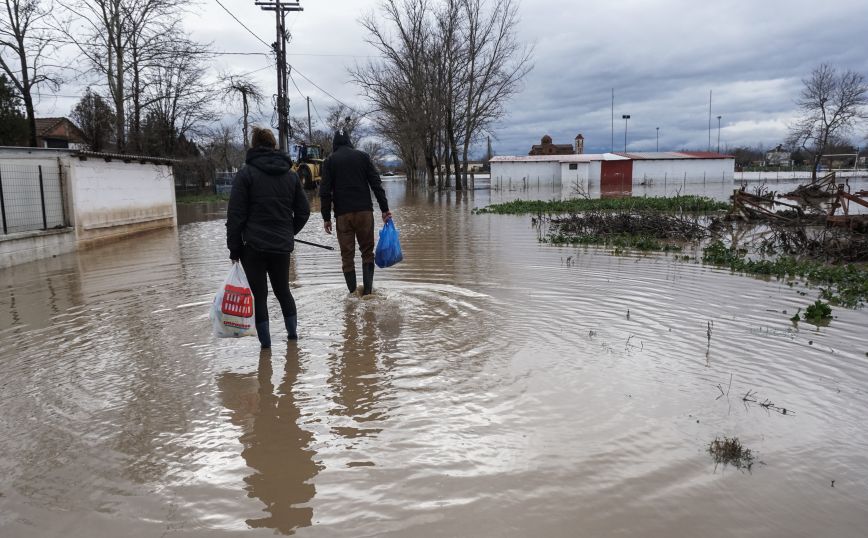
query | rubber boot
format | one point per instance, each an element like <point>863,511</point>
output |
<point>367,278</point>
<point>350,277</point>
<point>264,334</point>
<point>291,327</point>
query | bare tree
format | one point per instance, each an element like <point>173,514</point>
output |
<point>25,42</point>
<point>445,77</point>
<point>250,93</point>
<point>831,103</point>
<point>121,40</point>
<point>497,63</point>
<point>342,117</point>
<point>376,150</point>
<point>179,96</point>
<point>221,147</point>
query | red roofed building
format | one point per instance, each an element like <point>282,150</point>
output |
<point>58,133</point>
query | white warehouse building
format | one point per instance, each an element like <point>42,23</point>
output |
<point>615,172</point>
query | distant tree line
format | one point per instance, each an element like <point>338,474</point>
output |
<point>447,70</point>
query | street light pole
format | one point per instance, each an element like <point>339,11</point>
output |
<point>718,134</point>
<point>625,117</point>
<point>658,140</point>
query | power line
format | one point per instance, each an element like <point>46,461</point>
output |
<point>242,24</point>
<point>317,114</point>
<point>325,92</point>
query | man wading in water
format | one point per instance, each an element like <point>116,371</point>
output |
<point>348,177</point>
<point>267,208</point>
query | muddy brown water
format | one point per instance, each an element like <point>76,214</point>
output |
<point>494,386</point>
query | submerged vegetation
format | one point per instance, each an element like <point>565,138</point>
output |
<point>847,283</point>
<point>782,248</point>
<point>625,230</point>
<point>686,204</point>
<point>730,451</point>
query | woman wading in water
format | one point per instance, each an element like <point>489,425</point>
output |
<point>267,208</point>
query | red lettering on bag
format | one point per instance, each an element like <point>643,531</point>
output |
<point>237,301</point>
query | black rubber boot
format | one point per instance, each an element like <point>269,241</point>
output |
<point>350,277</point>
<point>264,334</point>
<point>367,278</point>
<point>291,327</point>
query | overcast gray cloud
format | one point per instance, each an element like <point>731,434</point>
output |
<point>662,57</point>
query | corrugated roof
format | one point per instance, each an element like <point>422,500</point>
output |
<point>707,155</point>
<point>83,154</point>
<point>572,158</point>
<point>672,155</point>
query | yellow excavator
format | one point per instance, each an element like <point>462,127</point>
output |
<point>308,164</point>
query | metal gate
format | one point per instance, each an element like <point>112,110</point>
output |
<point>616,178</point>
<point>31,197</point>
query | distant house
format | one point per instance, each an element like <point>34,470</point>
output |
<point>58,133</point>
<point>546,147</point>
<point>778,157</point>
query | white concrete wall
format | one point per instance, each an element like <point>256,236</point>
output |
<point>111,199</point>
<point>29,246</point>
<point>684,170</point>
<point>101,200</point>
<point>530,171</point>
<point>777,174</point>
<point>595,172</point>
<point>579,175</point>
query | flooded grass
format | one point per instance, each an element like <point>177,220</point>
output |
<point>730,451</point>
<point>686,204</point>
<point>653,232</point>
<point>848,283</point>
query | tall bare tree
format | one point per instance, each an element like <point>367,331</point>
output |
<point>180,97</point>
<point>447,72</point>
<point>25,43</point>
<point>121,40</point>
<point>243,88</point>
<point>831,103</point>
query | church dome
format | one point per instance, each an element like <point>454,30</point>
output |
<point>546,139</point>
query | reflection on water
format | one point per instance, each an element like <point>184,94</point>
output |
<point>492,386</point>
<point>275,446</point>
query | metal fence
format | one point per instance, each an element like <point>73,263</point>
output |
<point>223,182</point>
<point>31,197</point>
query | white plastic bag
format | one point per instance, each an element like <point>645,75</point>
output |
<point>232,309</point>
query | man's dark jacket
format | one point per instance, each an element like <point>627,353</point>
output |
<point>348,177</point>
<point>267,206</point>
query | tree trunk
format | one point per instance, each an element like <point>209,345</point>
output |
<point>26,95</point>
<point>246,111</point>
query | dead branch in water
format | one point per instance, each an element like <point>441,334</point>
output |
<point>750,397</point>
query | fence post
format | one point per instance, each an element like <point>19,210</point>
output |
<point>42,200</point>
<point>3,204</point>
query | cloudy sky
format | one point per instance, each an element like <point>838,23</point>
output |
<point>661,57</point>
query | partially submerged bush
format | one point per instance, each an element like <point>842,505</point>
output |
<point>730,451</point>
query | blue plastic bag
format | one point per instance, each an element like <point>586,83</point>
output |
<point>388,251</point>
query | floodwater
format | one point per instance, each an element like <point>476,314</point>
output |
<point>493,386</point>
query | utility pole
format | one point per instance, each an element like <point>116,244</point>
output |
<point>309,130</point>
<point>718,134</point>
<point>281,105</point>
<point>709,120</point>
<point>613,120</point>
<point>625,117</point>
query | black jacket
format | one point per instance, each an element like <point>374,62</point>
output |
<point>348,177</point>
<point>267,206</point>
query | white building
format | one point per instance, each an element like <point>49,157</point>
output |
<point>615,171</point>
<point>53,201</point>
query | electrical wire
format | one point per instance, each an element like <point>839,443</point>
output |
<point>242,24</point>
<point>325,92</point>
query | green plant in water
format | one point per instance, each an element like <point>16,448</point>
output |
<point>818,312</point>
<point>685,204</point>
<point>730,451</point>
<point>848,283</point>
